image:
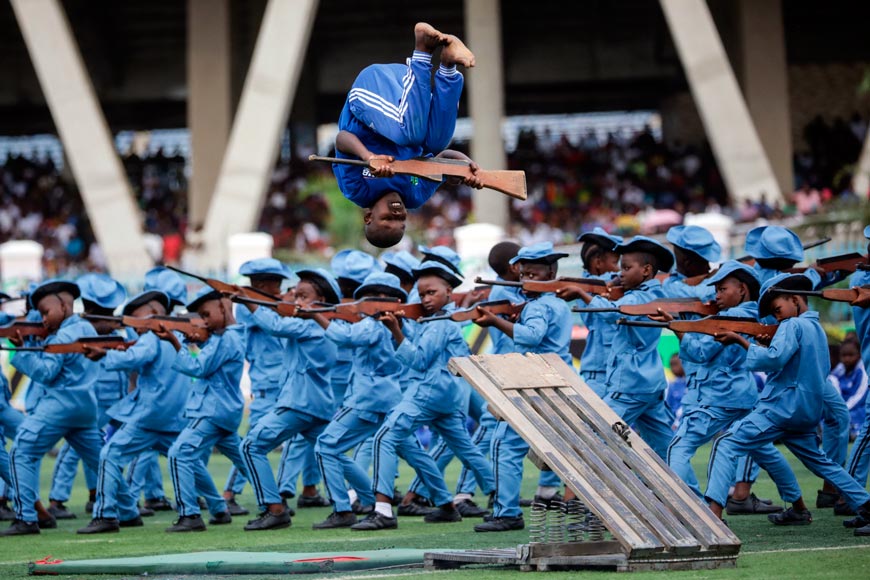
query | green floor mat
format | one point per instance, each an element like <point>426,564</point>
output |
<point>235,563</point>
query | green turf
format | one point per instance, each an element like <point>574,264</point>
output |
<point>852,560</point>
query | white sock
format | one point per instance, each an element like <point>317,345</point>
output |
<point>352,496</point>
<point>384,508</point>
<point>546,492</point>
<point>461,497</point>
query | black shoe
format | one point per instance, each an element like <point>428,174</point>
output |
<point>791,517</point>
<point>312,501</point>
<point>336,520</point>
<point>750,505</point>
<point>862,531</point>
<point>856,522</point>
<point>469,509</point>
<point>413,509</point>
<point>397,497</point>
<point>556,499</point>
<point>376,521</point>
<point>361,510</point>
<point>60,512</point>
<point>843,509</point>
<point>101,526</point>
<point>501,525</point>
<point>524,502</point>
<point>187,524</point>
<point>132,523</point>
<point>442,516</point>
<point>825,499</point>
<point>47,524</point>
<point>203,505</point>
<point>21,528</point>
<point>6,514</point>
<point>145,512</point>
<point>221,519</point>
<point>159,505</point>
<point>287,507</point>
<point>89,507</point>
<point>235,509</point>
<point>269,521</point>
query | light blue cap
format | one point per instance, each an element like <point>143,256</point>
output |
<point>664,257</point>
<point>695,239</point>
<point>102,290</point>
<point>53,286</point>
<point>600,237</point>
<point>768,242</point>
<point>167,281</point>
<point>443,254</point>
<point>867,232</point>
<point>265,267</point>
<point>354,265</point>
<point>540,252</point>
<point>381,282</point>
<point>783,281</point>
<point>203,295</point>
<point>431,267</point>
<point>401,260</point>
<point>325,276</point>
<point>740,271</point>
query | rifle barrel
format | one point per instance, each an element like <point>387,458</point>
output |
<point>246,300</point>
<point>584,310</point>
<point>186,273</point>
<point>804,292</point>
<point>480,280</point>
<point>358,162</point>
<point>646,323</point>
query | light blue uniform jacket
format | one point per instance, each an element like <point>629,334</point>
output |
<point>544,327</point>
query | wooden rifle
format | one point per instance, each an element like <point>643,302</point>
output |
<point>711,325</point>
<point>590,285</point>
<point>354,311</point>
<point>79,346</point>
<point>510,183</point>
<point>841,263</point>
<point>671,305</point>
<point>23,328</point>
<point>750,261</point>
<point>857,296</point>
<point>226,288</point>
<point>505,307</point>
<point>192,328</point>
<point>458,297</point>
<point>279,306</point>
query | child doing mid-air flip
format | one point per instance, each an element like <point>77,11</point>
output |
<point>393,112</point>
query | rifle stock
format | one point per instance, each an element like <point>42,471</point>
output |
<point>79,346</point>
<point>510,183</point>
<point>673,306</point>
<point>857,296</point>
<point>498,307</point>
<point>23,328</point>
<point>711,325</point>
<point>192,328</point>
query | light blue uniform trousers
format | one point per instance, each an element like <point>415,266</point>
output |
<point>648,414</point>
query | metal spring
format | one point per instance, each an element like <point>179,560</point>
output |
<point>556,522</point>
<point>596,528</point>
<point>538,523</point>
<point>575,520</point>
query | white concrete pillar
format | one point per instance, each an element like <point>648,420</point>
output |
<point>485,87</point>
<point>861,179</point>
<point>209,105</point>
<point>88,145</point>
<point>739,154</point>
<point>259,124</point>
<point>765,82</point>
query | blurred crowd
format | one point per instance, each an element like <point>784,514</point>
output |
<point>628,185</point>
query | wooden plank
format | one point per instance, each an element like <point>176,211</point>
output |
<point>668,486</point>
<point>562,549</point>
<point>613,470</point>
<point>519,374</point>
<point>632,539</point>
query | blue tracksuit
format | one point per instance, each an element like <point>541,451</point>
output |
<point>437,399</point>
<point>10,419</point>
<point>635,380</point>
<point>543,327</point>
<point>720,390</point>
<point>66,409</point>
<point>593,361</point>
<point>214,408</point>
<point>151,417</point>
<point>305,403</point>
<point>373,392</point>
<point>110,387</point>
<point>393,110</point>
<point>797,363</point>
<point>858,463</point>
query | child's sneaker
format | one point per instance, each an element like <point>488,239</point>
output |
<point>791,517</point>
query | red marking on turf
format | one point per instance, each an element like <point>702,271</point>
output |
<point>334,559</point>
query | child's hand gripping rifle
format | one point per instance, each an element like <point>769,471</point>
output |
<point>510,183</point>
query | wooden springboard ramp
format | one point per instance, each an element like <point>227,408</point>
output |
<point>650,513</point>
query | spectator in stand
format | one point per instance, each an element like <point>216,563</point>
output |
<point>850,377</point>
